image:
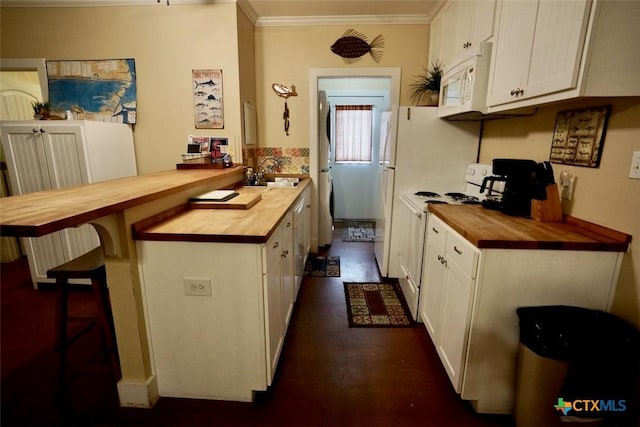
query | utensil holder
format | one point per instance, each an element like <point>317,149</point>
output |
<point>548,210</point>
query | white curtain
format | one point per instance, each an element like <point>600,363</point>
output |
<point>353,133</point>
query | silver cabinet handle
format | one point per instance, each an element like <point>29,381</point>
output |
<point>288,224</point>
<point>276,244</point>
<point>435,230</point>
<point>458,251</point>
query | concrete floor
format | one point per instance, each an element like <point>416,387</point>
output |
<point>329,374</point>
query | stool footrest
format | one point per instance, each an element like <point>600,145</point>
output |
<point>78,334</point>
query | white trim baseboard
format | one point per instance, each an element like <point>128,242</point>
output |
<point>138,394</point>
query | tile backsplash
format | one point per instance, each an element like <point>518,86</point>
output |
<point>292,159</point>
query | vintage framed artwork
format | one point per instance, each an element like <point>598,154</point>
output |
<point>249,124</point>
<point>102,90</point>
<point>578,138</point>
<point>207,99</point>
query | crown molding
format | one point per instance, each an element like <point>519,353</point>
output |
<point>289,21</point>
<point>102,3</point>
<point>267,21</point>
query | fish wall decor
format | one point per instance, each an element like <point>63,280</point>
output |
<point>352,46</point>
<point>285,92</point>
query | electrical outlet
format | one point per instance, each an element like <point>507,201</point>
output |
<point>197,287</point>
<point>567,182</point>
<point>634,172</point>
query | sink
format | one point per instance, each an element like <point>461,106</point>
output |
<point>279,182</point>
<point>285,184</point>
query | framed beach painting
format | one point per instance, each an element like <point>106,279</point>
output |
<point>101,90</point>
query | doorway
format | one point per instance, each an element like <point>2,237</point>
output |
<point>22,82</point>
<point>327,78</point>
<point>355,184</point>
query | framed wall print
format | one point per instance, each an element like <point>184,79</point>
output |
<point>579,135</point>
<point>207,99</point>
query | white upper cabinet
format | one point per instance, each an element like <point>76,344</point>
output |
<point>538,48</point>
<point>460,27</point>
<point>552,50</point>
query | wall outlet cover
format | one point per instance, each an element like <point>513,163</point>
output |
<point>197,286</point>
<point>634,172</point>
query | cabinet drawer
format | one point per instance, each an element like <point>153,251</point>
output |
<point>462,253</point>
<point>436,231</point>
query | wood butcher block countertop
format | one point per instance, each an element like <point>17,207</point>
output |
<point>254,225</point>
<point>487,228</point>
<point>37,214</point>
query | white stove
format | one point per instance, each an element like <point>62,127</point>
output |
<point>412,227</point>
<point>474,176</point>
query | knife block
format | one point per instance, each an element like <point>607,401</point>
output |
<point>548,210</point>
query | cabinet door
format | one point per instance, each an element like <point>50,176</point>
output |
<point>449,31</point>
<point>456,304</point>
<point>539,48</point>
<point>483,20</point>
<point>430,308</point>
<point>557,46</point>
<point>24,154</point>
<point>274,303</point>
<point>300,248</point>
<point>512,52</point>
<point>66,163</point>
<point>64,154</point>
<point>288,271</point>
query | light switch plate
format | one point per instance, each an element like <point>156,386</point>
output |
<point>634,172</point>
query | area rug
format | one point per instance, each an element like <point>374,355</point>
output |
<point>359,231</point>
<point>321,266</point>
<point>378,305</point>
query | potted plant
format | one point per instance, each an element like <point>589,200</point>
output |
<point>41,110</point>
<point>425,89</point>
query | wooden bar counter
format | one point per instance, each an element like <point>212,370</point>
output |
<point>112,207</point>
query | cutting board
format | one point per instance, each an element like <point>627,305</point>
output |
<point>244,200</point>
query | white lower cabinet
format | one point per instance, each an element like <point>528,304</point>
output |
<point>280,290</point>
<point>469,298</point>
<point>448,286</point>
<point>224,344</point>
<point>301,235</point>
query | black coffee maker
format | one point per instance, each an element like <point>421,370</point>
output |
<point>523,182</point>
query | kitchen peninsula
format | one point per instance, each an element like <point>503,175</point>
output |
<point>220,287</point>
<point>112,207</point>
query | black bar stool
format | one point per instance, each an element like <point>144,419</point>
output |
<point>87,266</point>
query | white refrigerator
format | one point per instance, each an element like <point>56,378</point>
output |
<point>418,152</point>
<point>325,182</point>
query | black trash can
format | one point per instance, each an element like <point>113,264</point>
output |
<point>575,364</point>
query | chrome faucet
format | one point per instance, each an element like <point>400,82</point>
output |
<point>262,170</point>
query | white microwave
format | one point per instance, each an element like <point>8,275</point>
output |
<point>463,88</point>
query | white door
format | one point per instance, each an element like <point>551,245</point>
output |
<point>354,183</point>
<point>456,304</point>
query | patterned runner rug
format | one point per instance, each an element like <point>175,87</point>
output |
<point>320,266</point>
<point>379,305</point>
<point>359,231</point>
